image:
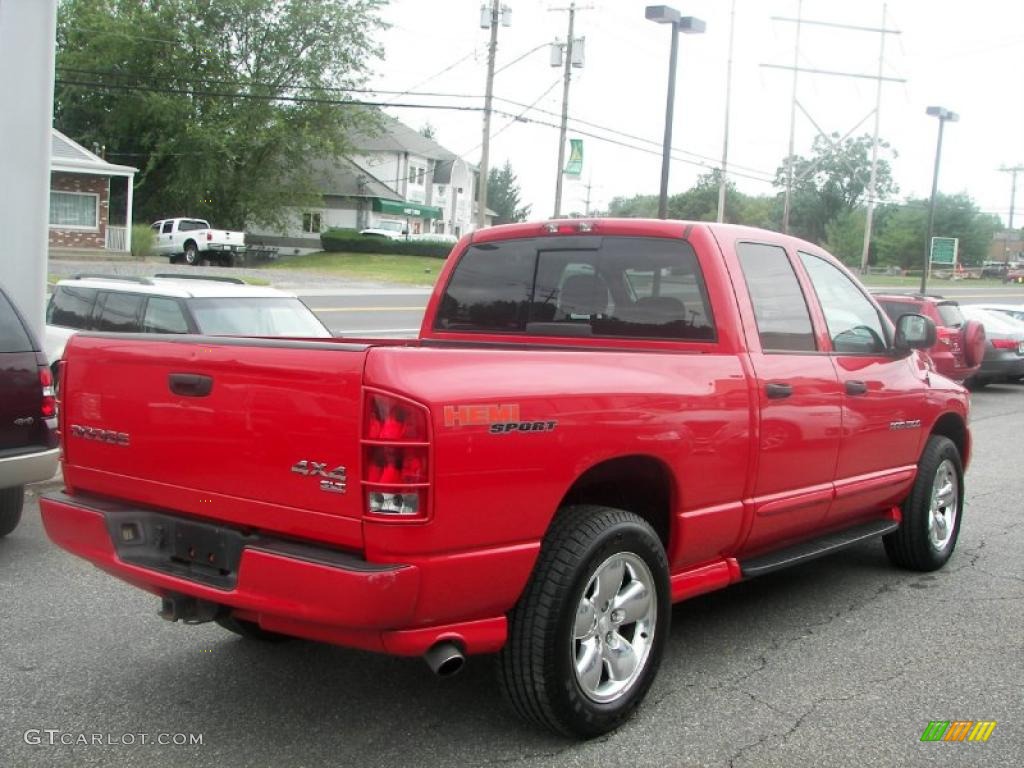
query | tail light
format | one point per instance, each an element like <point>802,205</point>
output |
<point>1004,344</point>
<point>396,458</point>
<point>946,335</point>
<point>209,236</point>
<point>48,407</point>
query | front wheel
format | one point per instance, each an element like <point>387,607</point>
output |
<point>932,513</point>
<point>586,638</point>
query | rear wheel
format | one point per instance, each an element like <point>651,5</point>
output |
<point>250,630</point>
<point>932,513</point>
<point>11,502</point>
<point>191,254</point>
<point>588,633</point>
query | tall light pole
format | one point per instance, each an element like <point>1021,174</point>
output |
<point>567,78</point>
<point>663,14</point>
<point>944,115</point>
<point>722,179</point>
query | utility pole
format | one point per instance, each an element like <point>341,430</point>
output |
<point>722,179</point>
<point>796,68</point>
<point>792,121</point>
<point>869,217</point>
<point>489,17</point>
<point>1013,203</point>
<point>570,62</point>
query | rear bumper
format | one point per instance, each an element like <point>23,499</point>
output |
<point>30,467</point>
<point>1009,365</point>
<point>284,586</point>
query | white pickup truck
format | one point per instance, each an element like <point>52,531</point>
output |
<point>192,241</point>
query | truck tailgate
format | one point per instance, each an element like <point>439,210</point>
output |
<point>260,433</point>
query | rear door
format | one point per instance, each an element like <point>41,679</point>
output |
<point>798,397</point>
<point>20,391</point>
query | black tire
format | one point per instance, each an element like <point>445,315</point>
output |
<point>537,668</point>
<point>11,502</point>
<point>191,254</point>
<point>250,630</point>
<point>174,258</point>
<point>913,545</point>
<point>976,382</point>
<point>227,260</point>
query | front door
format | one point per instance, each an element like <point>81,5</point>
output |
<point>881,393</point>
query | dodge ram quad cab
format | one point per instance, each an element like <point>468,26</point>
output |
<point>598,419</point>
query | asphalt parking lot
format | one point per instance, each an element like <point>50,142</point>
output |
<point>841,662</point>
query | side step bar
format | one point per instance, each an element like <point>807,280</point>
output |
<point>809,550</point>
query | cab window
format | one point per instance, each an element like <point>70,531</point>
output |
<point>164,315</point>
<point>119,312</point>
<point>71,307</point>
<point>853,322</point>
<point>783,320</point>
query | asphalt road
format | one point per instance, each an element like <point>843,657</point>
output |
<point>840,662</point>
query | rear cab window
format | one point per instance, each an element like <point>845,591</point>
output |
<point>607,287</point>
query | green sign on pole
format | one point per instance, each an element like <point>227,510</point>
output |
<point>944,250</point>
<point>574,167</point>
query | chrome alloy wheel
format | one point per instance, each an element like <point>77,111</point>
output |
<point>614,628</point>
<point>945,501</point>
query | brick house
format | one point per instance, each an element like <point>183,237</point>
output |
<point>80,195</point>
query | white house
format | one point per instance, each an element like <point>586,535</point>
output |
<point>398,178</point>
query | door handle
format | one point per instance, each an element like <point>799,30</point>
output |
<point>190,384</point>
<point>856,387</point>
<point>778,390</point>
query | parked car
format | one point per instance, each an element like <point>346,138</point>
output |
<point>193,242</point>
<point>28,414</point>
<point>960,343</point>
<point>173,303</point>
<point>388,229</point>
<point>1004,350</point>
<point>1015,311</point>
<point>599,418</point>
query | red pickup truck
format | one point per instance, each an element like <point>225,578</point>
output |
<point>598,419</point>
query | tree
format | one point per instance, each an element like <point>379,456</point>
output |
<point>503,195</point>
<point>832,181</point>
<point>844,236</point>
<point>224,106</point>
<point>428,131</point>
<point>902,230</point>
<point>636,207</point>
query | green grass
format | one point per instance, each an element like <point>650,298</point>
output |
<point>912,281</point>
<point>411,270</point>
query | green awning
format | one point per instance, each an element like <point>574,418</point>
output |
<point>406,209</point>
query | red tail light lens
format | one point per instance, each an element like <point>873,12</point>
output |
<point>209,236</point>
<point>48,408</point>
<point>946,335</point>
<point>1004,344</point>
<point>395,458</point>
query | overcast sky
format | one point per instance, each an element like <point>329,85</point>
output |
<point>967,57</point>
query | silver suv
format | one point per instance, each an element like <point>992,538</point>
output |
<point>174,303</point>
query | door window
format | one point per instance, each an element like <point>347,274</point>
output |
<point>783,320</point>
<point>853,322</point>
<point>120,313</point>
<point>71,307</point>
<point>168,225</point>
<point>164,315</point>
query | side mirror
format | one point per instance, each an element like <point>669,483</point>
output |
<point>914,332</point>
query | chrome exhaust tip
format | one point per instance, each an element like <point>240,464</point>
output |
<point>444,659</point>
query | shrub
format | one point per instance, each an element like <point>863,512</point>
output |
<point>143,241</point>
<point>350,241</point>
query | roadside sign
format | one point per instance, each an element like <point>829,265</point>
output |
<point>944,250</point>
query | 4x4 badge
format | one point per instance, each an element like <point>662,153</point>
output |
<point>334,480</point>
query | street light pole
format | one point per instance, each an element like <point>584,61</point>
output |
<point>943,114</point>
<point>663,14</point>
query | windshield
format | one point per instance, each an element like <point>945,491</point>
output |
<point>284,316</point>
<point>390,226</point>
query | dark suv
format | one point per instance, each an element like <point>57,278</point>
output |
<point>960,343</point>
<point>28,414</point>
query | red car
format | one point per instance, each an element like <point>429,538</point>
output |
<point>599,418</point>
<point>960,343</point>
